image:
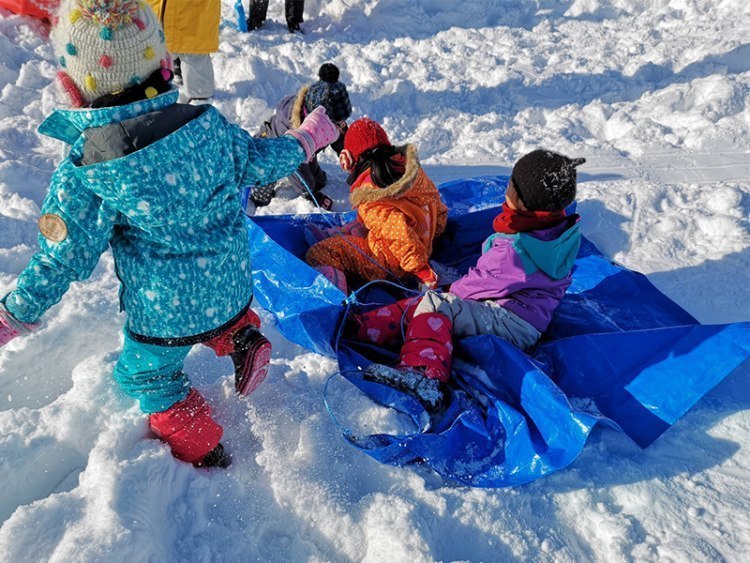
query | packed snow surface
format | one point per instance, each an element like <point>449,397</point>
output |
<point>653,93</point>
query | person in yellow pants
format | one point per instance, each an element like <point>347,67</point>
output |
<point>192,32</point>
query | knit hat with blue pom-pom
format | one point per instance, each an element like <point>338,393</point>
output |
<point>329,93</point>
<point>106,46</point>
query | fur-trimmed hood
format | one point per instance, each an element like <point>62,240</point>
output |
<point>369,192</point>
<point>298,113</point>
<point>403,218</point>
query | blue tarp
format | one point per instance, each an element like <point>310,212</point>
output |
<point>618,351</point>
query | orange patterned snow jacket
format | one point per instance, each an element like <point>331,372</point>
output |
<point>403,218</point>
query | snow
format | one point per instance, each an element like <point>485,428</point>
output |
<point>654,94</point>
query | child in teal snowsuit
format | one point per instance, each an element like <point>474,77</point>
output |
<point>159,183</point>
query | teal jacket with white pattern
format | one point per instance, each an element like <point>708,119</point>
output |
<point>171,213</point>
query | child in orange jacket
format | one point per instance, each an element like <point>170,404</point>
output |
<point>399,214</point>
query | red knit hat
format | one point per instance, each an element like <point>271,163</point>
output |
<point>364,134</point>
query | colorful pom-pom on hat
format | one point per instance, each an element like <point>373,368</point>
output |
<point>104,44</point>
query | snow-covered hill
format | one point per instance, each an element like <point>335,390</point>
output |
<point>654,93</point>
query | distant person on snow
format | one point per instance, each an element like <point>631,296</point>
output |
<point>257,10</point>
<point>516,285</point>
<point>399,214</point>
<point>159,183</point>
<point>328,92</point>
<point>192,34</point>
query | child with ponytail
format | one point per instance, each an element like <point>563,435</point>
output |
<point>399,214</point>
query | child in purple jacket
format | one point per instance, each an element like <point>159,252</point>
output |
<point>516,285</point>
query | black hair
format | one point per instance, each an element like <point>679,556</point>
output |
<point>379,160</point>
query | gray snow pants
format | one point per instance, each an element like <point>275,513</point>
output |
<point>472,318</point>
<point>197,75</point>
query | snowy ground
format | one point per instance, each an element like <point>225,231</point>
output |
<point>654,93</point>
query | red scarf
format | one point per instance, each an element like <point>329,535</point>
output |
<point>511,221</point>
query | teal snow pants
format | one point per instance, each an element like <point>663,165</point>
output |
<point>152,374</point>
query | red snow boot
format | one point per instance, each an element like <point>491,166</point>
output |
<point>429,345</point>
<point>188,428</point>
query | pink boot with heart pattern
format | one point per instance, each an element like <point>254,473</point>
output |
<point>429,345</point>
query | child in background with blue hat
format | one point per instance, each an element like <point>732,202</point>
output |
<point>309,179</point>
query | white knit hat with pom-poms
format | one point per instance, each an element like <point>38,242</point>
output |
<point>105,46</point>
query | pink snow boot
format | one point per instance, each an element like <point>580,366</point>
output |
<point>425,361</point>
<point>383,326</point>
<point>249,349</point>
<point>252,358</point>
<point>429,345</point>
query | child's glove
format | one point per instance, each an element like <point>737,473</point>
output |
<point>427,277</point>
<point>316,132</point>
<point>10,327</point>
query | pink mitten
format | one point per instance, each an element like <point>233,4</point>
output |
<point>316,132</point>
<point>10,327</point>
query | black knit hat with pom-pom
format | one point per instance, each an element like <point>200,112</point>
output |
<point>329,93</point>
